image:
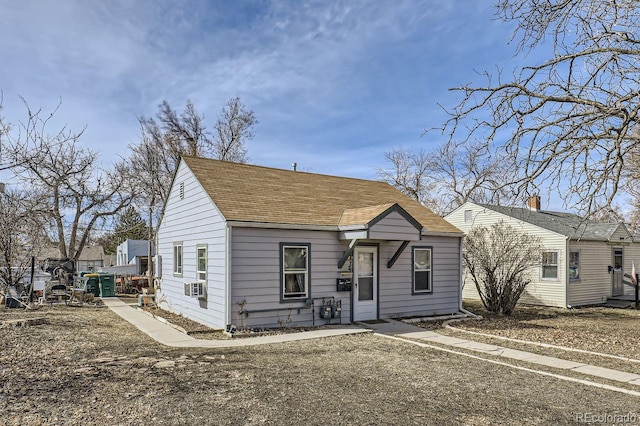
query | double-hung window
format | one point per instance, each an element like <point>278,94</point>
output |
<point>201,263</point>
<point>177,258</point>
<point>574,265</point>
<point>422,270</point>
<point>550,265</point>
<point>294,271</point>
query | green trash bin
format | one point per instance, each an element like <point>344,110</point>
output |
<point>93,283</point>
<point>107,285</point>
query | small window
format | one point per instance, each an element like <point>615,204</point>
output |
<point>550,265</point>
<point>422,271</point>
<point>201,262</point>
<point>574,265</point>
<point>468,216</point>
<point>295,271</point>
<point>177,259</point>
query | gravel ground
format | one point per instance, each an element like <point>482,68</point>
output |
<point>87,366</point>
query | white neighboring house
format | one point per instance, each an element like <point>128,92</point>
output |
<point>134,252</point>
<point>242,245</point>
<point>582,263</point>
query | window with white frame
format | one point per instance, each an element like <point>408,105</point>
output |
<point>549,265</point>
<point>201,262</point>
<point>574,265</point>
<point>422,271</point>
<point>468,216</point>
<point>295,271</point>
<point>177,258</point>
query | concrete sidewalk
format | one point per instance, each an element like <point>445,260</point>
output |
<point>408,331</point>
<point>169,336</point>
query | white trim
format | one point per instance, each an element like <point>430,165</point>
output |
<point>241,224</point>
<point>365,314</point>
<point>428,233</point>
<point>308,227</point>
<point>227,276</point>
<point>557,265</point>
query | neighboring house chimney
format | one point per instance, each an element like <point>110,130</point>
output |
<point>534,203</point>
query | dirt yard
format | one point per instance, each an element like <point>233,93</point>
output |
<point>87,366</point>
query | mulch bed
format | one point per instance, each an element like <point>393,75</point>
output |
<point>200,331</point>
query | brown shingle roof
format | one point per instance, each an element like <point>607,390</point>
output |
<point>361,215</point>
<point>250,193</point>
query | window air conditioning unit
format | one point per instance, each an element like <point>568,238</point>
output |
<point>195,290</point>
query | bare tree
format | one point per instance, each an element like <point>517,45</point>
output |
<point>567,121</point>
<point>234,127</point>
<point>410,174</point>
<point>498,260</point>
<point>164,139</point>
<point>74,194</point>
<point>448,176</point>
<point>21,236</point>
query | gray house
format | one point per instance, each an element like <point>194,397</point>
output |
<point>582,261</point>
<point>252,246</point>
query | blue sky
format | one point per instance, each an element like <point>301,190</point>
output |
<point>334,84</point>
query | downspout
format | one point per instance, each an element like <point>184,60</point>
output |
<point>463,310</point>
<point>227,276</point>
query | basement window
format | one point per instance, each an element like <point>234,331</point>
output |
<point>294,266</point>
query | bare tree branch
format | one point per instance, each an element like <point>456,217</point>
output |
<point>568,122</point>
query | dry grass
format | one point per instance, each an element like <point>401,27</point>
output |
<point>607,330</point>
<point>87,366</point>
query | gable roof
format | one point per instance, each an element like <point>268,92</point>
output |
<point>248,193</point>
<point>89,253</point>
<point>567,224</point>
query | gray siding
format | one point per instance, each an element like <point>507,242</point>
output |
<point>256,278</point>
<point>193,221</point>
<point>393,227</point>
<point>395,295</point>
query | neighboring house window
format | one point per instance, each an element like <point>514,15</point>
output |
<point>295,271</point>
<point>550,265</point>
<point>468,215</point>
<point>574,265</point>
<point>422,272</point>
<point>177,258</point>
<point>201,273</point>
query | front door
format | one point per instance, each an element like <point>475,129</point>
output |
<point>617,288</point>
<point>365,288</point>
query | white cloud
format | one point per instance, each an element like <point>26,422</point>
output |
<point>332,82</point>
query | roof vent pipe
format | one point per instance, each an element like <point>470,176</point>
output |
<point>295,166</point>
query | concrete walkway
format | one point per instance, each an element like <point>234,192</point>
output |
<point>408,331</point>
<point>169,336</point>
